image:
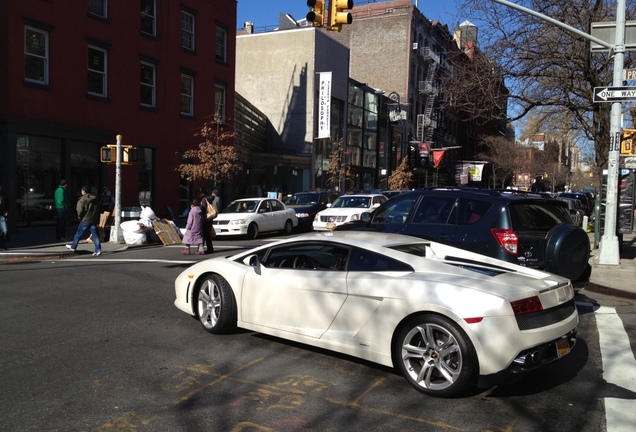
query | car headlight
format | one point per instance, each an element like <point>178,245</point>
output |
<point>238,222</point>
<point>302,215</point>
<point>355,217</point>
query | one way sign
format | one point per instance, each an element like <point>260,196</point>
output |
<point>614,94</point>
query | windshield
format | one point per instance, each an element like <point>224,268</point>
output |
<point>303,199</point>
<point>352,201</point>
<point>244,206</point>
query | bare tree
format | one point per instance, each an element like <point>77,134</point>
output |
<point>402,176</point>
<point>504,158</point>
<point>216,157</point>
<point>337,170</point>
<point>545,67</point>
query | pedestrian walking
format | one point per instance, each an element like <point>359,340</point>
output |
<point>4,214</point>
<point>216,199</point>
<point>88,214</point>
<point>194,229</point>
<point>60,201</point>
<point>207,224</point>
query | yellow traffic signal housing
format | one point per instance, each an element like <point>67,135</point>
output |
<point>129,154</point>
<point>338,14</point>
<point>316,15</point>
<point>628,139</point>
<point>106,154</point>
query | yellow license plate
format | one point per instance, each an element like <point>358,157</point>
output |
<point>331,225</point>
<point>563,347</point>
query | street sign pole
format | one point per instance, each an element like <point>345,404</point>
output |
<point>116,235</point>
<point>609,247</point>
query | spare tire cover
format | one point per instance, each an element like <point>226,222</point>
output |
<point>567,250</point>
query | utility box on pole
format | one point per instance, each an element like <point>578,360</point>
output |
<point>625,207</point>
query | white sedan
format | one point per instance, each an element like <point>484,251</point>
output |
<point>446,318</point>
<point>251,216</point>
<point>345,209</point>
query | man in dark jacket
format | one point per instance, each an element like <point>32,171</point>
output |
<point>88,214</point>
<point>4,213</point>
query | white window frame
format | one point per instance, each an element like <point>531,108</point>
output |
<point>44,58</point>
<point>104,7</point>
<point>152,86</point>
<point>151,15</point>
<point>187,30</point>
<point>103,73</point>
<point>220,102</point>
<point>188,96</point>
<point>221,45</point>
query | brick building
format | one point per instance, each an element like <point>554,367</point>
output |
<point>72,78</point>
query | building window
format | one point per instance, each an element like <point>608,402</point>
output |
<point>221,45</point>
<point>187,95</point>
<point>219,101</point>
<point>97,58</point>
<point>148,17</point>
<point>148,84</point>
<point>36,55</point>
<point>187,30</point>
<point>98,7</point>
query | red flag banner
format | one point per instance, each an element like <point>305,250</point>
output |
<point>438,155</point>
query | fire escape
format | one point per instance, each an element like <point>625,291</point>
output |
<point>425,124</point>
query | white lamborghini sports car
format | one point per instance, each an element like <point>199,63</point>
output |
<point>446,318</point>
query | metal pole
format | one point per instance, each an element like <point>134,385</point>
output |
<point>609,251</point>
<point>115,234</point>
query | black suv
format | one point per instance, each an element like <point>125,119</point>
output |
<point>517,227</point>
<point>307,204</point>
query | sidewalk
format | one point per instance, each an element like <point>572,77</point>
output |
<point>38,242</point>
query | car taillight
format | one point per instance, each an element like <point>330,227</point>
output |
<point>527,305</point>
<point>507,239</point>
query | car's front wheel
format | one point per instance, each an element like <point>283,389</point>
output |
<point>216,305</point>
<point>435,356</point>
<point>252,231</point>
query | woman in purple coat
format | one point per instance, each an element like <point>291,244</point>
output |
<point>194,229</point>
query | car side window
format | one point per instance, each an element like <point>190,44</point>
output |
<point>307,256</point>
<point>396,210</point>
<point>362,260</point>
<point>434,210</point>
<point>276,206</point>
<point>472,210</point>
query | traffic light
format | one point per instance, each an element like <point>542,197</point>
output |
<point>106,154</point>
<point>317,13</point>
<point>338,14</point>
<point>628,139</point>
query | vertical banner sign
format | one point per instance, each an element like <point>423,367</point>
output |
<point>324,105</point>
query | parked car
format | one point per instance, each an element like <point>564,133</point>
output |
<point>445,318</point>
<point>513,226</point>
<point>251,216</point>
<point>308,204</point>
<point>588,204</point>
<point>575,207</point>
<point>345,209</point>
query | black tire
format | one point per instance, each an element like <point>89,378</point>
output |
<point>289,226</point>
<point>215,305</point>
<point>252,231</point>
<point>567,250</point>
<point>435,341</point>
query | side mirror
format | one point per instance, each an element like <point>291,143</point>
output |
<point>365,217</point>
<point>251,260</point>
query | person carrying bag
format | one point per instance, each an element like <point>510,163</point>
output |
<point>210,211</point>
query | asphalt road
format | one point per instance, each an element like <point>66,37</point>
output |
<point>95,344</point>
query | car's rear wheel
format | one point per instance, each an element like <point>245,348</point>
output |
<point>289,226</point>
<point>252,231</point>
<point>567,250</point>
<point>435,356</point>
<point>216,305</point>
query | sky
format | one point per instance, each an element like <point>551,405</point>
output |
<point>264,13</point>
